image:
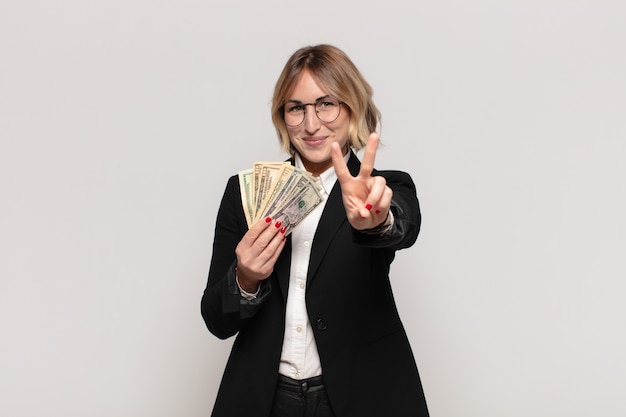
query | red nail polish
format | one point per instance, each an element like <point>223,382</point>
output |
<point>268,219</point>
<point>283,230</point>
<point>278,224</point>
<point>377,211</point>
<point>368,206</point>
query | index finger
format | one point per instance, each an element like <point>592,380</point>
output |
<point>367,164</point>
<point>257,229</point>
<point>341,169</point>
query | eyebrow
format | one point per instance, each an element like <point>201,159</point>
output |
<point>316,100</point>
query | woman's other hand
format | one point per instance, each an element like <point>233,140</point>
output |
<point>366,199</point>
<point>258,251</point>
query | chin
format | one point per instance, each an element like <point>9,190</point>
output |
<point>316,157</point>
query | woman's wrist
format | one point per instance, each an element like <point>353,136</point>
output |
<point>247,285</point>
<point>382,228</point>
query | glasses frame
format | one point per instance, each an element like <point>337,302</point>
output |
<point>314,104</point>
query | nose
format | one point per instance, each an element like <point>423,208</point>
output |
<point>311,121</point>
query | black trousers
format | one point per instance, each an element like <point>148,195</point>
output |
<point>301,398</point>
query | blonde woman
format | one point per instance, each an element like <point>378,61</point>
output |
<point>316,325</point>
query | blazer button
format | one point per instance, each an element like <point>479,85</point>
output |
<point>321,324</point>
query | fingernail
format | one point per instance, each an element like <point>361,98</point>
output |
<point>283,230</point>
<point>268,219</point>
<point>278,224</point>
<point>368,206</point>
<point>377,211</point>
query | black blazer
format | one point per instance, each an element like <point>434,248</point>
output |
<point>367,363</point>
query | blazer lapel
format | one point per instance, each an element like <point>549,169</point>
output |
<point>333,216</point>
<point>282,269</point>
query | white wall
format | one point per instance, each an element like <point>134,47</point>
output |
<point>120,122</point>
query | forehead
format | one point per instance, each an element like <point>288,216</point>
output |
<point>307,88</point>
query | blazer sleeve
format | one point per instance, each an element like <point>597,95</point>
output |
<point>406,212</point>
<point>223,308</point>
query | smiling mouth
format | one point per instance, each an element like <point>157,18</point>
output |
<point>314,140</point>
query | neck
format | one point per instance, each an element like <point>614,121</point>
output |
<point>318,168</point>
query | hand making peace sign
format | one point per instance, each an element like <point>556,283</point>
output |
<point>366,199</point>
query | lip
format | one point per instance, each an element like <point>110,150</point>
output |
<point>314,140</point>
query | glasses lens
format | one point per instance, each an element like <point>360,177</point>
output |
<point>328,109</point>
<point>294,114</point>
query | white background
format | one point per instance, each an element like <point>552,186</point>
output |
<point>120,122</point>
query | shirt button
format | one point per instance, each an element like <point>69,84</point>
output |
<point>299,329</point>
<point>307,243</point>
<point>302,285</point>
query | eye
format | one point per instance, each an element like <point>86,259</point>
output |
<point>327,104</point>
<point>293,108</point>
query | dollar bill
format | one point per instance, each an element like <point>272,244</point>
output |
<point>246,187</point>
<point>295,210</point>
<point>295,184</point>
<point>277,181</point>
<point>279,190</point>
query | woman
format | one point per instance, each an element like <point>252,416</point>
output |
<point>318,332</point>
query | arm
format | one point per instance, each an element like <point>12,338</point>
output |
<point>236,250</point>
<point>405,212</point>
<point>370,197</point>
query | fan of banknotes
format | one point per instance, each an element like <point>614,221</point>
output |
<point>279,190</point>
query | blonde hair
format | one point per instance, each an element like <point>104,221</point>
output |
<point>334,71</point>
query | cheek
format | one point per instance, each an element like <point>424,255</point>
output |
<point>344,124</point>
<point>292,132</point>
<point>343,131</point>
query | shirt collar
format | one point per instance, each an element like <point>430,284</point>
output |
<point>326,178</point>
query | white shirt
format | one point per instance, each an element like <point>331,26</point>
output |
<point>299,358</point>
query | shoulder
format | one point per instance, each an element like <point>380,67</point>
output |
<point>396,177</point>
<point>233,182</point>
<point>233,179</point>
<point>354,164</point>
<point>232,189</point>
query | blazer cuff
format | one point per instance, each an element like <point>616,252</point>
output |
<point>400,230</point>
<point>234,301</point>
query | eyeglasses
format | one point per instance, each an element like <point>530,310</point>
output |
<point>327,109</point>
